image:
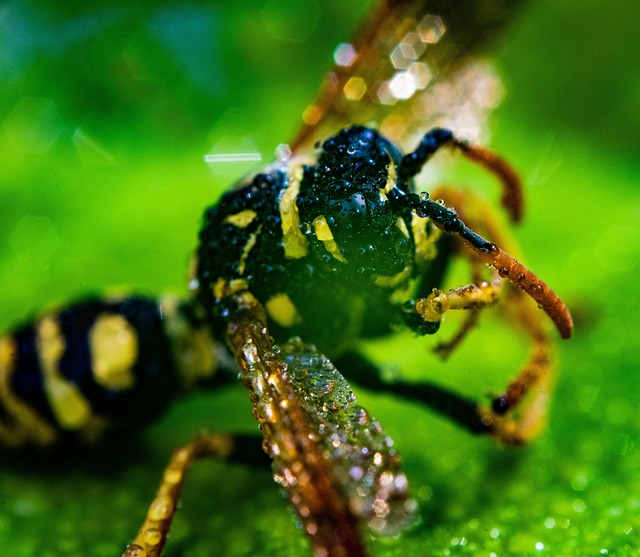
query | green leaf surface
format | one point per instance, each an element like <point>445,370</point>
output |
<point>107,112</point>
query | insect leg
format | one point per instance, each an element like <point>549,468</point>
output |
<point>289,435</point>
<point>536,376</point>
<point>154,531</point>
<point>444,349</point>
<point>471,296</point>
<point>333,459</point>
<point>519,413</point>
<point>490,254</point>
<point>463,411</point>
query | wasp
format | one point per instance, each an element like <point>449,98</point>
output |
<point>294,265</point>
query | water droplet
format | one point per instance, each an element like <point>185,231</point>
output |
<point>161,508</point>
<point>152,536</point>
<point>331,406</point>
<point>134,551</point>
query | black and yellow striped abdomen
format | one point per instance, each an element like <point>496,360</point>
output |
<point>96,366</point>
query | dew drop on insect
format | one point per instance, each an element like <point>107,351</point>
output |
<point>152,536</point>
<point>267,411</point>
<point>330,406</point>
<point>250,353</point>
<point>134,551</point>
<point>161,508</point>
<point>535,290</point>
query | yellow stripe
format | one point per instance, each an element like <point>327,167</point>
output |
<point>324,234</point>
<point>282,310</point>
<point>113,343</point>
<point>28,426</point>
<point>294,242</point>
<point>247,248</point>
<point>71,408</point>
<point>223,288</point>
<point>392,178</point>
<point>194,349</point>
<point>241,219</point>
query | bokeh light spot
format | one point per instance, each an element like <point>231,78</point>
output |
<point>33,125</point>
<point>344,55</point>
<point>431,28</point>
<point>402,85</point>
<point>355,88</point>
<point>407,51</point>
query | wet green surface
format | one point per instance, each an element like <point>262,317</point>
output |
<point>110,191</point>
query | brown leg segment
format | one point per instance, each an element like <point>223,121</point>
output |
<point>153,535</point>
<point>512,197</point>
<point>519,413</point>
<point>289,437</point>
<point>510,419</point>
<point>444,349</point>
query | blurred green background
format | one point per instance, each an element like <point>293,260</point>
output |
<point>107,111</point>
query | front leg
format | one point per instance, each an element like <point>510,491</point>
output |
<point>471,296</point>
<point>519,412</point>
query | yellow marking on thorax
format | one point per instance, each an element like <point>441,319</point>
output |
<point>294,242</point>
<point>247,249</point>
<point>241,219</point>
<point>402,226</point>
<point>282,310</point>
<point>28,426</point>
<point>392,179</point>
<point>71,408</point>
<point>224,288</point>
<point>193,349</point>
<point>324,234</point>
<point>114,350</point>
<point>425,241</point>
<point>394,281</point>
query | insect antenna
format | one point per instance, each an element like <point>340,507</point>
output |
<point>490,254</point>
<point>512,197</point>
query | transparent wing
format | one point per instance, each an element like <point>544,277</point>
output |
<point>363,459</point>
<point>336,464</point>
<point>413,65</point>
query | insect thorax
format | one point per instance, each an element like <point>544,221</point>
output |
<point>317,244</point>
